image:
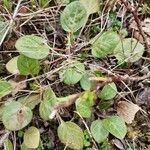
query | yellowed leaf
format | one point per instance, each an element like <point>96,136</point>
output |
<point>145,27</point>
<point>127,111</point>
<point>11,66</point>
<point>32,137</point>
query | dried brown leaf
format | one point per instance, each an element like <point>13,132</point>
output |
<point>127,111</point>
<point>145,27</point>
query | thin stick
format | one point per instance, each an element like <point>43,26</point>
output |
<point>119,78</point>
<point>88,130</point>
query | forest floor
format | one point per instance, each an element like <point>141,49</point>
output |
<point>97,66</point>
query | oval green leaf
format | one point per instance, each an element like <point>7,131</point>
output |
<point>98,131</point>
<point>11,66</point>
<point>116,126</point>
<point>84,104</point>
<point>71,135</point>
<point>32,46</point>
<point>46,106</point>
<point>45,110</point>
<point>108,92</point>
<point>73,73</point>
<point>129,50</point>
<point>28,66</point>
<point>73,17</point>
<point>85,83</point>
<point>32,137</point>
<point>105,44</point>
<point>5,88</point>
<point>16,116</point>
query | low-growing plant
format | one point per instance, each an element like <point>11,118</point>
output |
<point>33,49</point>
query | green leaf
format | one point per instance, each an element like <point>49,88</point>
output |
<point>3,28</point>
<point>28,66</point>
<point>8,145</point>
<point>85,83</point>
<point>46,106</point>
<point>105,44</point>
<point>84,104</point>
<point>45,110</point>
<point>5,88</point>
<point>98,131</point>
<point>30,101</point>
<point>32,46</point>
<point>32,137</point>
<point>73,17</point>
<point>73,73</point>
<point>16,116</point>
<point>116,126</point>
<point>129,50</point>
<point>108,92</point>
<point>71,135</point>
<point>92,6</point>
<point>12,67</point>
